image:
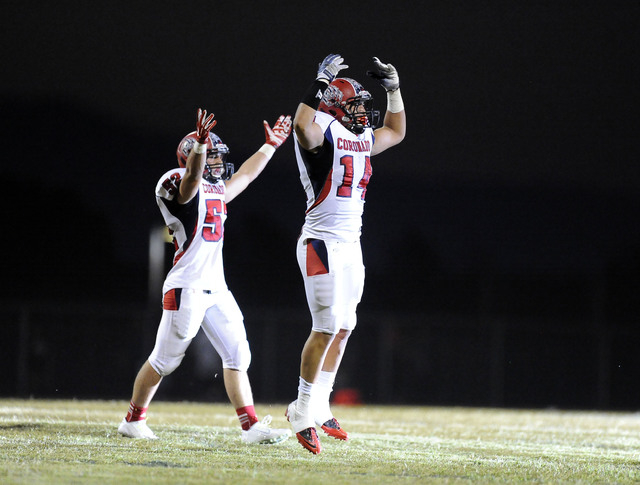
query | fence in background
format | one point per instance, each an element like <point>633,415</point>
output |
<point>93,350</point>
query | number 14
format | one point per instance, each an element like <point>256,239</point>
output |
<point>346,187</point>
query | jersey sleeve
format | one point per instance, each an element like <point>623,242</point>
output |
<point>167,193</point>
<point>324,120</point>
<point>169,184</point>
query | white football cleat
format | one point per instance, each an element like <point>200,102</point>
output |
<point>261,433</point>
<point>136,429</point>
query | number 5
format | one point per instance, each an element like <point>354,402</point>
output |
<point>214,231</point>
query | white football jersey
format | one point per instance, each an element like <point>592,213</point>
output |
<point>198,233</point>
<point>335,181</point>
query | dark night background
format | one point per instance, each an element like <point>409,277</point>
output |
<point>501,238</point>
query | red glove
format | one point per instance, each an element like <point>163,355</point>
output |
<point>203,126</point>
<point>281,130</point>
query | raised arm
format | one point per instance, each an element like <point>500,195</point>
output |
<point>308,133</point>
<point>256,163</point>
<point>196,159</point>
<point>394,126</point>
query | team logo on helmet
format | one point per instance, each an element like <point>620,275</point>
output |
<point>332,95</point>
<point>185,149</point>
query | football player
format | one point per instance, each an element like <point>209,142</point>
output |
<point>335,138</point>
<point>193,201</point>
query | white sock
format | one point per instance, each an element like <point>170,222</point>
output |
<point>326,379</point>
<point>320,394</point>
<point>304,395</point>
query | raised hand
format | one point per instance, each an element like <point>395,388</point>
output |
<point>386,74</point>
<point>329,68</point>
<point>281,130</point>
<point>204,125</point>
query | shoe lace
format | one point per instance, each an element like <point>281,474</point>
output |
<point>332,423</point>
<point>309,434</point>
<point>266,421</point>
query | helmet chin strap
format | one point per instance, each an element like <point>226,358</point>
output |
<point>210,178</point>
<point>353,125</point>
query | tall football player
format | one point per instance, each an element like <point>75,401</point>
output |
<point>335,141</point>
<point>193,201</point>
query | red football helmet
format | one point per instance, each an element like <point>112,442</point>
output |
<point>217,152</point>
<point>349,103</point>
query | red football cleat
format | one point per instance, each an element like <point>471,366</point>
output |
<point>309,439</point>
<point>333,429</point>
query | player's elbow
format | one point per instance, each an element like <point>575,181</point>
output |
<point>397,134</point>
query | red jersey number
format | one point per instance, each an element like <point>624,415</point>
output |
<point>214,229</point>
<point>170,184</point>
<point>365,178</point>
<point>345,188</point>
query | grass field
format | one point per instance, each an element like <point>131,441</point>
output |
<point>76,442</point>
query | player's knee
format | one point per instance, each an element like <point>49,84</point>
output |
<point>326,321</point>
<point>166,365</point>
<point>238,359</point>
<point>350,322</point>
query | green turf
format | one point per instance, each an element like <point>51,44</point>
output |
<point>76,442</point>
